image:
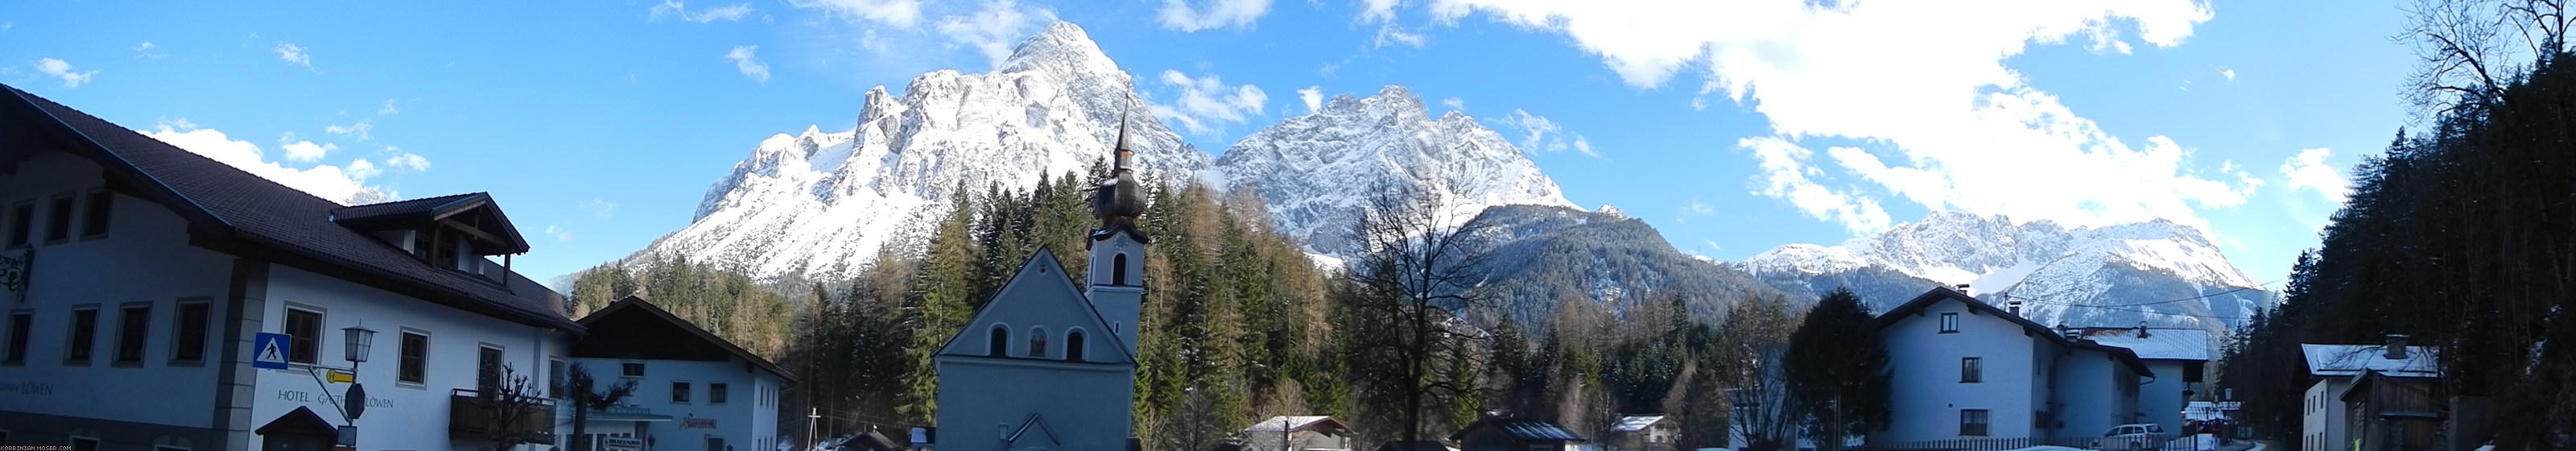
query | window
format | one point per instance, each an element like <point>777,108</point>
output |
<point>95,224</point>
<point>81,443</point>
<point>1118,269</point>
<point>22,223</point>
<point>1972,422</point>
<point>84,338</point>
<point>716,393</point>
<point>1972,369</point>
<point>1949,323</point>
<point>1073,346</point>
<point>679,392</point>
<point>632,369</point>
<point>413,364</point>
<point>488,373</point>
<point>19,322</point>
<point>999,342</point>
<point>58,222</point>
<point>189,343</point>
<point>558,377</point>
<point>1037,341</point>
<point>132,327</point>
<point>303,335</point>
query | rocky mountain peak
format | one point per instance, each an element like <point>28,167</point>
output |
<point>1062,47</point>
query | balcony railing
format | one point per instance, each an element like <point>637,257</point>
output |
<point>470,415</point>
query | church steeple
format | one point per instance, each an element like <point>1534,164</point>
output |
<point>1117,279</point>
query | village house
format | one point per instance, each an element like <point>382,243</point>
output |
<point>2177,357</point>
<point>1644,433</point>
<point>2369,397</point>
<point>1294,433</point>
<point>695,390</point>
<point>1511,434</point>
<point>160,300</point>
<point>1969,373</point>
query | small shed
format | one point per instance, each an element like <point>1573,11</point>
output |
<point>1512,434</point>
<point>1644,433</point>
<point>1295,433</point>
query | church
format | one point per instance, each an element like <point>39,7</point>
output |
<point>1046,365</point>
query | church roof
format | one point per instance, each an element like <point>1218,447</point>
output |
<point>1041,272</point>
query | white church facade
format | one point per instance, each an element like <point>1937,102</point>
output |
<point>1048,366</point>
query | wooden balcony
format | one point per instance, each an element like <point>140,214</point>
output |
<point>471,417</point>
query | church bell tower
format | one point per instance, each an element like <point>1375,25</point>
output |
<point>1117,280</point>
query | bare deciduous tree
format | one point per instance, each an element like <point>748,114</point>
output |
<point>1420,267</point>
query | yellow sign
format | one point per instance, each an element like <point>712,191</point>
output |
<point>343,377</point>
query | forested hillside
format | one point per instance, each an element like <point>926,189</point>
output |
<point>2462,235</point>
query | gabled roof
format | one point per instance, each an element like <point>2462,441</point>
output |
<point>2158,344</point>
<point>1634,423</point>
<point>1944,293</point>
<point>431,209</point>
<point>1036,424</point>
<point>1293,423</point>
<point>639,306</point>
<point>1527,430</point>
<point>301,421</point>
<point>1041,272</point>
<point>236,212</point>
<point>2352,360</point>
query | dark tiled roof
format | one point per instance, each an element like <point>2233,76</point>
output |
<point>252,215</point>
<point>641,305</point>
<point>421,206</point>
<point>426,210</point>
<point>1526,430</point>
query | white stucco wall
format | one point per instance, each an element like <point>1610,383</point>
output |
<point>2098,392</point>
<point>2322,416</point>
<point>396,410</point>
<point>746,421</point>
<point>1926,394</point>
<point>1086,405</point>
<point>144,258</point>
<point>2161,399</point>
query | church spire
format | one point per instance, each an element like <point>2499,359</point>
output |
<point>1119,200</point>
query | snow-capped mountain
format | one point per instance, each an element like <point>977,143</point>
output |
<point>819,204</point>
<point>2158,272</point>
<point>1316,170</point>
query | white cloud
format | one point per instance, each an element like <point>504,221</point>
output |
<point>560,233</point>
<point>1205,102</point>
<point>1696,208</point>
<point>1389,34</point>
<point>1179,15</point>
<point>749,64</point>
<point>898,13</point>
<point>1960,131</point>
<point>2230,73</point>
<point>1455,103</point>
<point>62,70</point>
<point>388,109</point>
<point>1540,134</point>
<point>2308,170</point>
<point>304,151</point>
<point>406,160</point>
<point>294,54</point>
<point>1377,10</point>
<point>325,181</point>
<point>995,29</point>
<point>600,207</point>
<point>1785,172</point>
<point>729,13</point>
<point>145,50</point>
<point>363,130</point>
<point>363,169</point>
<point>1313,96</point>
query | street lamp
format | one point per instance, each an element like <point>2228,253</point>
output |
<point>360,340</point>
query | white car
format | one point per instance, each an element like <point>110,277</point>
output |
<point>2132,437</point>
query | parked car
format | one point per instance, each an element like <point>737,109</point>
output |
<point>2132,437</point>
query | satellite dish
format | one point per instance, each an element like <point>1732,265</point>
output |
<point>355,402</point>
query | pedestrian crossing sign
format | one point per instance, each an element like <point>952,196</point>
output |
<point>269,351</point>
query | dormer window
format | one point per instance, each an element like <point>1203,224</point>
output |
<point>454,232</point>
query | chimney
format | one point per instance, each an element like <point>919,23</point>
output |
<point>2396,346</point>
<point>2014,306</point>
<point>2142,329</point>
<point>1963,289</point>
<point>2069,332</point>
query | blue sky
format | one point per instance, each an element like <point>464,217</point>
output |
<point>1732,127</point>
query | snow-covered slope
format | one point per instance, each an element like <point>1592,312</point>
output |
<point>818,204</point>
<point>1315,170</point>
<point>2109,276</point>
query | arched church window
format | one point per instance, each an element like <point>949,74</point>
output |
<point>1118,270</point>
<point>1073,346</point>
<point>1037,341</point>
<point>1000,343</point>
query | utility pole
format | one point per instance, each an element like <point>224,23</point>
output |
<point>811,415</point>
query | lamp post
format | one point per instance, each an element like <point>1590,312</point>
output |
<point>360,340</point>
